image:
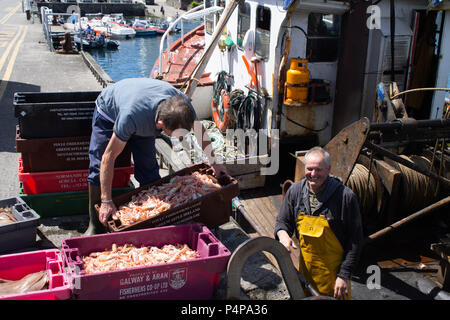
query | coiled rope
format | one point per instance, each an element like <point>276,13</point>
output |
<point>365,189</point>
<point>417,190</point>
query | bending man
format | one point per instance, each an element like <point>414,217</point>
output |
<point>133,112</point>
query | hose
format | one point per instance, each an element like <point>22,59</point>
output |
<point>222,82</point>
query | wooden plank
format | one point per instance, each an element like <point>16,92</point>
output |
<point>266,216</point>
<point>259,216</point>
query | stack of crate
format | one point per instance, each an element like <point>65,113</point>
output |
<point>53,138</point>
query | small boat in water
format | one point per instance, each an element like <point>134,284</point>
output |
<point>95,41</point>
<point>117,28</point>
<point>142,29</point>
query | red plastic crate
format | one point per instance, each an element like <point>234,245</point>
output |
<point>191,279</point>
<point>16,266</point>
<point>66,181</point>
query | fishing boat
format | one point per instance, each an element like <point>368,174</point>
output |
<point>161,27</point>
<point>301,73</point>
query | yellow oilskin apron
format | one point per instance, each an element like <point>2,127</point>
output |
<point>321,253</point>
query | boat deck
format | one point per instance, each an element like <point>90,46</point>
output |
<point>184,57</point>
<point>259,209</point>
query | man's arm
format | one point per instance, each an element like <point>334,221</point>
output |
<point>114,148</point>
<point>285,223</point>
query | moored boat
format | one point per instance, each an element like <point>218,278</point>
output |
<point>307,69</point>
<point>142,29</point>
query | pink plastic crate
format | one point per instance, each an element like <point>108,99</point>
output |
<point>16,266</point>
<point>67,181</point>
<point>192,279</point>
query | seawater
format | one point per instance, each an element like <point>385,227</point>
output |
<point>135,57</point>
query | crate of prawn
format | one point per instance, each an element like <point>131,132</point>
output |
<point>173,262</point>
<point>192,194</point>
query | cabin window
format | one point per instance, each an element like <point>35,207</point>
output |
<point>209,19</point>
<point>323,37</point>
<point>243,23</point>
<point>262,35</point>
<point>220,3</point>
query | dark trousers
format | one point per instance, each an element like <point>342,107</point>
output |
<point>146,167</point>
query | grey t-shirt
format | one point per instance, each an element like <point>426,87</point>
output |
<point>132,104</point>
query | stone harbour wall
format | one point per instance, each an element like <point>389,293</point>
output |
<point>128,9</point>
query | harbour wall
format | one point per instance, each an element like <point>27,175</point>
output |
<point>128,9</point>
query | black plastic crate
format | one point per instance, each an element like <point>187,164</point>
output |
<point>54,114</point>
<point>22,233</point>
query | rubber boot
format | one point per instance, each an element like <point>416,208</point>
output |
<point>95,226</point>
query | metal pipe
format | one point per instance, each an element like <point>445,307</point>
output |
<point>401,124</point>
<point>383,232</point>
<point>405,162</point>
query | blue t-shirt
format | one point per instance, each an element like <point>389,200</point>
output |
<point>132,104</point>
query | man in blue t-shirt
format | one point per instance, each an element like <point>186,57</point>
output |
<point>133,112</point>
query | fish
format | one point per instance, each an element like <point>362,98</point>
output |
<point>31,282</point>
<point>6,216</point>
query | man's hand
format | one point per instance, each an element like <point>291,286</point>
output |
<point>340,288</point>
<point>285,240</point>
<point>106,210</point>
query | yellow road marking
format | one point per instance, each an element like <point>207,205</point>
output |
<point>11,44</point>
<point>12,60</point>
<point>7,16</point>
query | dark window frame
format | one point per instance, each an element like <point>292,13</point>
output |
<point>262,30</point>
<point>243,17</point>
<point>323,39</point>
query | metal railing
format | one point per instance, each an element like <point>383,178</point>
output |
<point>47,17</point>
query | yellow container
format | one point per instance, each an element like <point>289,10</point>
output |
<point>297,79</point>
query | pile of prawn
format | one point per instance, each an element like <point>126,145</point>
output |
<point>129,256</point>
<point>151,202</point>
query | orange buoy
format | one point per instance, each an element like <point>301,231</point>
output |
<point>222,124</point>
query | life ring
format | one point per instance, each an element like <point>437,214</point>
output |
<point>222,124</point>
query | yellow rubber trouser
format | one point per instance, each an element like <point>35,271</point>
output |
<point>321,253</point>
